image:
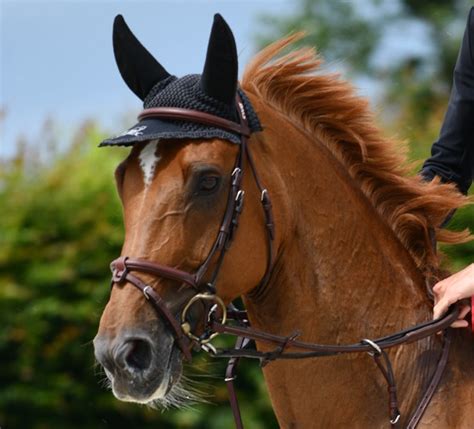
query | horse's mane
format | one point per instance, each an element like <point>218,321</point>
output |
<point>328,109</point>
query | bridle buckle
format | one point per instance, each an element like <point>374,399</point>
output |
<point>395,420</point>
<point>239,201</point>
<point>145,292</point>
<point>236,176</point>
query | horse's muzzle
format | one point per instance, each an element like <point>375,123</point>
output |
<point>139,367</point>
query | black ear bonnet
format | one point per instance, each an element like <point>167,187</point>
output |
<point>212,92</point>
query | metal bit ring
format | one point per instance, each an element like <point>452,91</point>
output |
<point>185,324</point>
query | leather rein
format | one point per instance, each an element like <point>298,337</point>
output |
<point>218,314</point>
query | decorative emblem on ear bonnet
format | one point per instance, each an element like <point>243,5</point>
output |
<point>212,92</point>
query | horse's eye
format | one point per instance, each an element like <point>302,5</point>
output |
<point>208,184</point>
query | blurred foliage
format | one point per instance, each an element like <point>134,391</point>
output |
<point>353,34</point>
<point>61,225</point>
<point>335,28</point>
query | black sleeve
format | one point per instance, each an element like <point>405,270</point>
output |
<point>452,156</point>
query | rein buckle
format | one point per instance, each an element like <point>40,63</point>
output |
<point>377,350</point>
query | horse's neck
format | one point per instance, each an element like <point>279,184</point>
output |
<point>341,276</point>
<point>336,253</point>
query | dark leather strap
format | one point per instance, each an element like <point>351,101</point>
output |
<point>121,274</point>
<point>405,336</point>
<point>153,268</point>
<point>376,348</point>
<point>229,380</point>
<point>196,116</point>
<point>269,221</point>
<point>435,380</point>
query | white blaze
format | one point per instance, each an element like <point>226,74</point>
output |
<point>148,161</point>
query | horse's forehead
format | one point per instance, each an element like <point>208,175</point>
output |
<point>149,155</point>
<point>216,151</point>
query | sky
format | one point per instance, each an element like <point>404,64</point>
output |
<point>56,58</point>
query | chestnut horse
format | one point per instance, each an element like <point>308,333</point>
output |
<point>353,254</point>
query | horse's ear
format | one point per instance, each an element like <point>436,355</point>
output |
<point>219,78</point>
<point>138,68</point>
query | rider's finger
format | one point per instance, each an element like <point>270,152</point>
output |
<point>440,308</point>
<point>460,324</point>
<point>463,312</point>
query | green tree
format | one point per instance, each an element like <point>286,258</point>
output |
<point>338,31</point>
<point>355,33</point>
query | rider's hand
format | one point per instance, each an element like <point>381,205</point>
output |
<point>452,289</point>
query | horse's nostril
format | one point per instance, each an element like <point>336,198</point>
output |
<point>137,354</point>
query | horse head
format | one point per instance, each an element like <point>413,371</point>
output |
<point>182,188</point>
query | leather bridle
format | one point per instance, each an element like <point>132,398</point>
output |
<point>218,314</point>
<point>205,291</point>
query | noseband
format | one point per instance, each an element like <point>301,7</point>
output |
<point>217,313</point>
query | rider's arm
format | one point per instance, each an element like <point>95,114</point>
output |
<point>452,156</point>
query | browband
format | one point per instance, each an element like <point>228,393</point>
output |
<point>197,116</point>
